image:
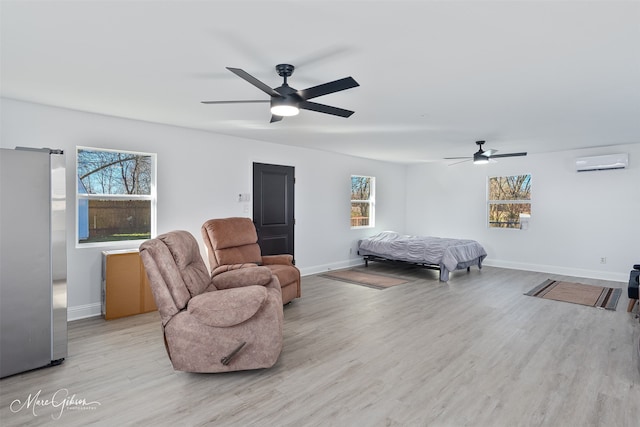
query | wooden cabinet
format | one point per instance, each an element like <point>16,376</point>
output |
<point>125,287</point>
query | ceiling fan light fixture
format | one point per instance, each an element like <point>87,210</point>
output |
<point>479,159</point>
<point>284,110</point>
<point>285,107</point>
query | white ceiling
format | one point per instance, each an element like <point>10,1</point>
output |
<point>434,76</point>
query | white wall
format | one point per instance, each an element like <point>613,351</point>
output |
<point>200,175</point>
<point>576,218</point>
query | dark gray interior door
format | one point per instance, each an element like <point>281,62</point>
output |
<point>273,207</point>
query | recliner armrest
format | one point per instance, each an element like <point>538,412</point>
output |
<point>229,267</point>
<point>285,259</point>
<point>242,277</point>
<point>228,307</point>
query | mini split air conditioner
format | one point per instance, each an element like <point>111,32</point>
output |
<point>597,163</point>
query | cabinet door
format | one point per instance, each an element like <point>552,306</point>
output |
<point>122,291</point>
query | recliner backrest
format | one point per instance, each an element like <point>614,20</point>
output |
<point>231,241</point>
<point>175,269</point>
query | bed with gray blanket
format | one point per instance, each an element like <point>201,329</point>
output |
<point>436,253</point>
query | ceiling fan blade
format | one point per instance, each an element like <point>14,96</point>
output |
<point>327,88</point>
<point>235,102</point>
<point>257,83</point>
<point>509,155</point>
<point>457,163</point>
<point>327,109</point>
<point>456,158</point>
<point>275,118</point>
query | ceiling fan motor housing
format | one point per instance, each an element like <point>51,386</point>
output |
<point>289,98</point>
<point>480,157</point>
<point>285,70</point>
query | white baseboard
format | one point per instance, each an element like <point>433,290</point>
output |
<point>332,266</point>
<point>83,311</point>
<point>553,269</point>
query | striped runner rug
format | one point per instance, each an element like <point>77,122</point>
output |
<point>578,293</point>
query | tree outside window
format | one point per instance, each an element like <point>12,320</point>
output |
<point>509,200</point>
<point>115,195</point>
<point>362,201</point>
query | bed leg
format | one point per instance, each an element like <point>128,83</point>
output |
<point>468,269</point>
<point>366,262</point>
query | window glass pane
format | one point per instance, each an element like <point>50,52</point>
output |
<point>516,187</point>
<point>360,188</point>
<point>507,215</point>
<point>362,201</point>
<point>115,195</point>
<point>114,220</point>
<point>359,214</point>
<point>509,200</point>
<point>113,172</point>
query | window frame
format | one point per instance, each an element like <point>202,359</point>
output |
<point>491,202</point>
<point>152,197</point>
<point>371,202</point>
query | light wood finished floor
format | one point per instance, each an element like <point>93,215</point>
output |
<point>473,352</point>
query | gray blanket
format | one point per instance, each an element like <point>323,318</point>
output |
<point>449,254</point>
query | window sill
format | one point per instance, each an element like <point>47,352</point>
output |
<point>114,245</point>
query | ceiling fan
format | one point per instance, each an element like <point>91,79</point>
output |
<point>287,101</point>
<point>483,156</point>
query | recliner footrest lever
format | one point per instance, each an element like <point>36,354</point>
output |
<point>227,359</point>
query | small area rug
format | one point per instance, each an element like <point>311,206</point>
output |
<point>359,277</point>
<point>578,293</point>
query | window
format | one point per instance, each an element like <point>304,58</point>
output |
<point>509,201</point>
<point>362,201</point>
<point>116,195</point>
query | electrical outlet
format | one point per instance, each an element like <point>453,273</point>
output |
<point>603,260</point>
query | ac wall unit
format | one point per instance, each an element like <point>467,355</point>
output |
<point>607,161</point>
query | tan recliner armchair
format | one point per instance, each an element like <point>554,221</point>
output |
<point>233,243</point>
<point>229,322</point>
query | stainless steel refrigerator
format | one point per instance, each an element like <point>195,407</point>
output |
<point>33,259</point>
